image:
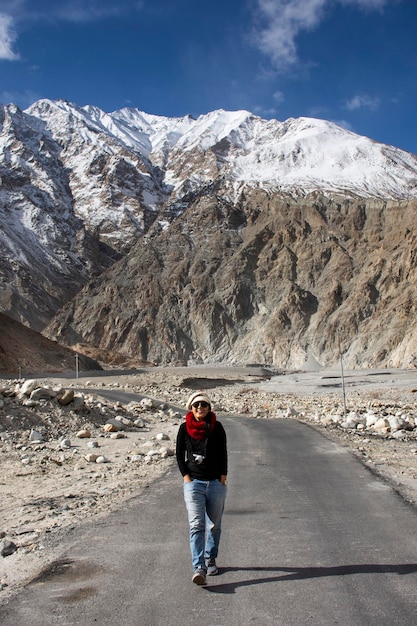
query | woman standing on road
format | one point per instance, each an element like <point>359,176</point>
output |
<point>202,460</point>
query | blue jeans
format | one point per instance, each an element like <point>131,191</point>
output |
<point>204,500</point>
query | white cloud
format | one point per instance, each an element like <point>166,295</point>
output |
<point>281,21</point>
<point>279,97</point>
<point>7,38</point>
<point>82,11</point>
<point>285,19</point>
<point>17,12</point>
<point>368,5</point>
<point>362,102</point>
<point>76,10</point>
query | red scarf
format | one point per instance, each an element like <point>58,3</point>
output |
<point>198,429</point>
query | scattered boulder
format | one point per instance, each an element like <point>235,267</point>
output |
<point>113,425</point>
<point>85,433</point>
<point>91,457</point>
<point>67,397</point>
<point>28,386</point>
<point>42,393</point>
<point>166,452</point>
<point>148,403</point>
<point>382,425</point>
<point>396,423</point>
<point>7,547</point>
<point>35,436</point>
<point>78,403</point>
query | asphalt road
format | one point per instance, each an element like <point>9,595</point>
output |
<point>310,536</point>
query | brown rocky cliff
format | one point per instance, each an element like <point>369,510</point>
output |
<point>270,279</point>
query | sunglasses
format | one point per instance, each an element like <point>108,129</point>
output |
<point>204,405</point>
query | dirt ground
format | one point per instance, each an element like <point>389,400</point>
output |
<point>51,485</point>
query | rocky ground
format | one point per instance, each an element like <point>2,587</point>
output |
<point>67,454</point>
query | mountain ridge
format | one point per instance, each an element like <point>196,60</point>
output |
<point>297,144</point>
<point>85,193</point>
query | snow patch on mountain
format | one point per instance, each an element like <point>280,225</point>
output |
<point>297,156</point>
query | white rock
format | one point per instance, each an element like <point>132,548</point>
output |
<point>370,419</point>
<point>395,423</point>
<point>30,403</point>
<point>35,436</point>
<point>399,434</point>
<point>92,444</point>
<point>135,458</point>
<point>28,386</point>
<point>102,459</point>
<point>357,418</point>
<point>354,416</point>
<point>65,443</point>
<point>326,420</point>
<point>147,403</point>
<point>162,437</point>
<point>124,420</point>
<point>382,425</point>
<point>43,393</point>
<point>166,452</point>
<point>149,458</point>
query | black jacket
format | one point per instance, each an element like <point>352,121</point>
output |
<point>212,451</point>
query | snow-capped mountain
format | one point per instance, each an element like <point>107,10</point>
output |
<point>82,188</point>
<point>297,156</point>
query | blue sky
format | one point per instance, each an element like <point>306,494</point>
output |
<point>353,62</point>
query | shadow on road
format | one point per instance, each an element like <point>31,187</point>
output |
<point>282,574</point>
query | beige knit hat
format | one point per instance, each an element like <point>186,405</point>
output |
<point>198,396</point>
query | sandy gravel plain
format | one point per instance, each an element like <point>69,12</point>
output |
<point>48,488</point>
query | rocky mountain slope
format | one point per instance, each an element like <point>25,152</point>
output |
<point>24,351</point>
<point>226,238</point>
<point>270,282</point>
